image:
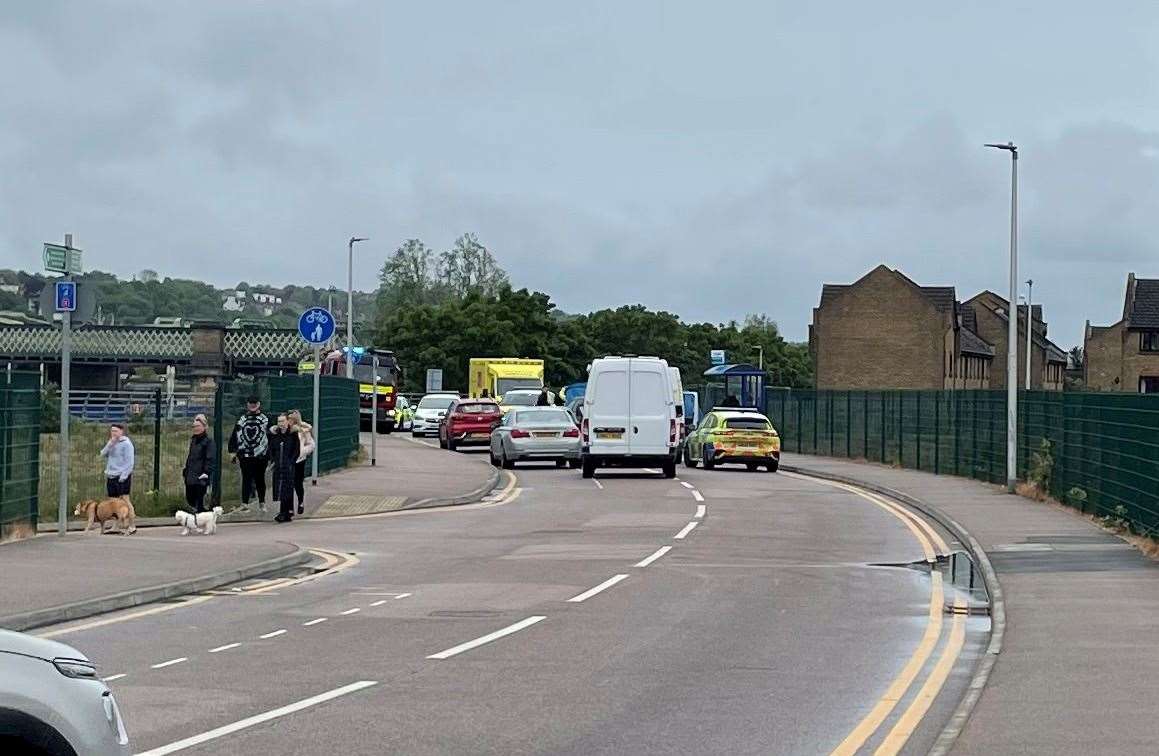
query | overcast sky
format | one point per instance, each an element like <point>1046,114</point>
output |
<point>709,159</point>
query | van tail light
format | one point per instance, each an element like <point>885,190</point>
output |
<point>585,430</point>
<point>671,431</point>
<point>571,433</point>
<point>517,433</point>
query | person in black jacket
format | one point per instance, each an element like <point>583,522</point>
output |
<point>284,449</point>
<point>198,470</point>
<point>249,444</point>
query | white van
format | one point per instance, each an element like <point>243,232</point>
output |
<point>678,400</point>
<point>629,415</point>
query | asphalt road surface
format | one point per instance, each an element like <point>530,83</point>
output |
<point>724,612</point>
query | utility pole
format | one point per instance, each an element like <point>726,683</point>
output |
<point>1012,332</point>
<point>1029,324</point>
<point>350,305</point>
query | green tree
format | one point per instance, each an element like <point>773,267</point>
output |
<point>469,267</point>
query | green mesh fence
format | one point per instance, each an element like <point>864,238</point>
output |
<point>20,405</point>
<point>1104,447</point>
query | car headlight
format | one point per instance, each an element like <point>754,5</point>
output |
<point>76,669</point>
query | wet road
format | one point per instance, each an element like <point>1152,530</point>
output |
<point>724,612</point>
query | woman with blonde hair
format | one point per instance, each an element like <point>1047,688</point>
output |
<point>306,446</point>
<point>198,470</point>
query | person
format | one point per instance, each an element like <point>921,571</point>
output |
<point>198,470</point>
<point>119,461</point>
<point>485,395</point>
<point>283,455</point>
<point>544,400</point>
<point>730,401</point>
<point>306,447</point>
<point>249,445</point>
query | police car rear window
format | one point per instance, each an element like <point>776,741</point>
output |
<point>747,423</point>
<point>479,409</point>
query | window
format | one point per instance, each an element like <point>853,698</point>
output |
<point>748,423</point>
<point>436,401</point>
<point>1149,341</point>
<point>544,415</point>
<point>479,408</point>
<point>1149,384</point>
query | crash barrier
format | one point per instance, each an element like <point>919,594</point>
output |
<point>20,406</point>
<point>1097,452</point>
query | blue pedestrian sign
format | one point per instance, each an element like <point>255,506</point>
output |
<point>316,325</point>
<point>66,296</point>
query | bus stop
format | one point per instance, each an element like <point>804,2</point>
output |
<point>743,381</point>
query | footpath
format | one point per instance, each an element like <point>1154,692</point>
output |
<point>51,579</point>
<point>1078,668</point>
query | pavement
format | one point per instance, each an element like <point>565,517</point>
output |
<point>723,612</point>
<point>1079,665</point>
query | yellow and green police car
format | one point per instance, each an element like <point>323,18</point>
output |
<point>729,435</point>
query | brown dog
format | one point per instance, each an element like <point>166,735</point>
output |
<point>106,510</point>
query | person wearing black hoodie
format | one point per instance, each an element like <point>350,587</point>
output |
<point>284,450</point>
<point>198,470</point>
<point>249,444</point>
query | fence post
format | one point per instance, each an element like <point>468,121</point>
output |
<point>918,430</point>
<point>829,421</point>
<point>156,444</point>
<point>865,422</point>
<point>937,432</point>
<point>816,401</point>
<point>848,425</point>
<point>881,399</point>
<point>798,425</point>
<point>218,415</point>
<point>900,429</point>
<point>957,429</point>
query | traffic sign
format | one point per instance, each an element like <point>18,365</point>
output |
<point>316,325</point>
<point>62,259</point>
<point>717,356</point>
<point>434,380</point>
<point>65,296</point>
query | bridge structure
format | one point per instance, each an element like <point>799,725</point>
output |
<point>199,351</point>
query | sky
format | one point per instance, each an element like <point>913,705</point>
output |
<point>712,160</point>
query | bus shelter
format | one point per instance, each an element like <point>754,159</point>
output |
<point>743,381</point>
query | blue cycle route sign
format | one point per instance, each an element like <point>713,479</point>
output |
<point>66,296</point>
<point>316,325</point>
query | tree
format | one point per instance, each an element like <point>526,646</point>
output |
<point>1076,358</point>
<point>147,276</point>
<point>469,267</point>
<point>407,277</point>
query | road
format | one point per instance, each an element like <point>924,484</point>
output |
<point>723,612</point>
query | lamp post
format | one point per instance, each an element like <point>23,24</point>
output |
<point>1012,334</point>
<point>1029,324</point>
<point>350,305</point>
<point>761,363</point>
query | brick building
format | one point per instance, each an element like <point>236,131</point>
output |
<point>886,332</point>
<point>991,321</point>
<point>1125,356</point>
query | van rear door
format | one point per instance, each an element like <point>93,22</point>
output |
<point>607,399</point>
<point>651,408</point>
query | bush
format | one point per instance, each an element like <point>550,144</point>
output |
<point>50,409</point>
<point>1041,468</point>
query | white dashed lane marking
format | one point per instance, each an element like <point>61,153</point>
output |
<point>226,647</point>
<point>653,556</point>
<point>170,663</point>
<point>685,530</point>
<point>315,621</point>
<point>700,511</point>
<point>273,634</point>
<point>601,587</point>
<point>355,610</point>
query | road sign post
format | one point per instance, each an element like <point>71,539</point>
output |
<point>66,260</point>
<point>374,412</point>
<point>316,326</point>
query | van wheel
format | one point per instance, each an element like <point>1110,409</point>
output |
<point>589,467</point>
<point>669,469</point>
<point>688,460</point>
<point>450,444</point>
<point>494,459</point>
<point>442,443</point>
<point>709,463</point>
<point>772,466</point>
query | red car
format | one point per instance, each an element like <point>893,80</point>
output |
<point>468,422</point>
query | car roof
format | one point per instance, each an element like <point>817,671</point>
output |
<point>731,413</point>
<point>522,391</point>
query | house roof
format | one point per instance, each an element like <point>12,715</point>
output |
<point>941,297</point>
<point>972,343</point>
<point>1144,309</point>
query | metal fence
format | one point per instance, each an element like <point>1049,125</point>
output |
<point>1103,448</point>
<point>160,425</point>
<point>20,405</point>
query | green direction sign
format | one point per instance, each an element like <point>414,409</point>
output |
<point>62,259</point>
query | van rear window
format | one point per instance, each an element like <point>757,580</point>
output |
<point>748,423</point>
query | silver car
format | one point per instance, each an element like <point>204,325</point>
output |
<point>536,433</point>
<point>52,702</point>
<point>429,413</point>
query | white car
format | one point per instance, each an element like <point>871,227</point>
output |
<point>629,416</point>
<point>430,411</point>
<point>52,702</point>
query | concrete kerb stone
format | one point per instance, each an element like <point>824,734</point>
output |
<point>468,498</point>
<point>985,666</point>
<point>147,595</point>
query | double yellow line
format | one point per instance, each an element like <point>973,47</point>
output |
<point>932,544</point>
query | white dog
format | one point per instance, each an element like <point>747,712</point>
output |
<point>203,522</point>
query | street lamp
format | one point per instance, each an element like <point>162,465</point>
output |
<point>761,364</point>
<point>350,305</point>
<point>1012,335</point>
<point>1029,323</point>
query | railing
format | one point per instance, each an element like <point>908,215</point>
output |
<point>1102,452</point>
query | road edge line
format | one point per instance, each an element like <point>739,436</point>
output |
<point>55,615</point>
<point>985,664</point>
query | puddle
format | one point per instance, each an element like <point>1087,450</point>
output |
<point>962,579</point>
